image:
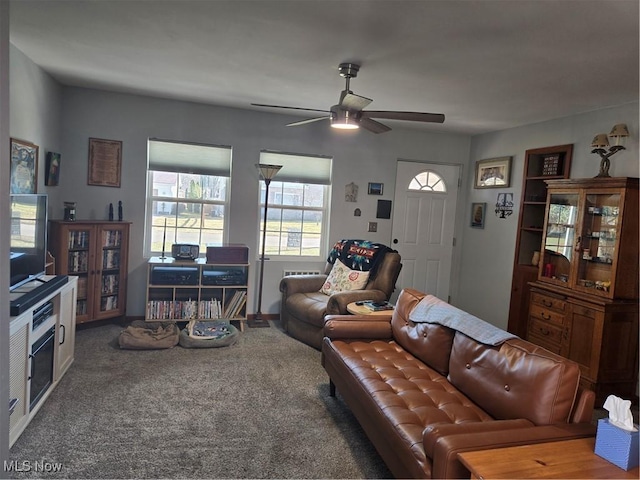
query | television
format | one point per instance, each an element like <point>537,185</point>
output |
<point>28,247</point>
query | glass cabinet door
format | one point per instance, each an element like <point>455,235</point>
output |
<point>560,238</point>
<point>600,229</point>
<point>78,263</point>
<point>110,269</point>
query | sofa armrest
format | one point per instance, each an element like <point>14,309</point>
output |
<point>445,463</point>
<point>301,283</point>
<point>433,433</point>
<point>357,326</point>
<point>338,302</point>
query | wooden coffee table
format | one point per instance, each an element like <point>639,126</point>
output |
<point>566,459</point>
<point>354,309</point>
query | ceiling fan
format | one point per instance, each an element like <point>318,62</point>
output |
<point>349,113</point>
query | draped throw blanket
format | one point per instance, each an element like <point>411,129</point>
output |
<point>358,254</point>
<point>433,310</point>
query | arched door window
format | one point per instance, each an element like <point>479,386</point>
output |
<point>428,181</point>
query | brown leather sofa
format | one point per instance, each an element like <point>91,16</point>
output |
<point>304,307</point>
<point>424,392</point>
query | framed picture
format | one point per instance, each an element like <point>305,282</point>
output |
<point>105,162</point>
<point>52,172</point>
<point>24,166</point>
<point>493,173</point>
<point>375,188</point>
<point>478,212</point>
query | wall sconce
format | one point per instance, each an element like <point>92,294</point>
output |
<point>601,142</point>
<point>504,205</point>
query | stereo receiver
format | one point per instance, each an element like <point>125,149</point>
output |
<point>174,275</point>
<point>232,276</point>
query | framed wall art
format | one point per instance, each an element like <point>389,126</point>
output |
<point>105,162</point>
<point>375,188</point>
<point>52,169</point>
<point>493,173</point>
<point>478,212</point>
<point>24,166</point>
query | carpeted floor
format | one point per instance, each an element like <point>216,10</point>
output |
<point>258,409</point>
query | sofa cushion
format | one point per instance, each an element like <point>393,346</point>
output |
<point>429,342</point>
<point>386,378</point>
<point>514,380</point>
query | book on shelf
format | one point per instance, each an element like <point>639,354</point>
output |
<point>235,304</point>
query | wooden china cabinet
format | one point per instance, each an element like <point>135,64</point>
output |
<point>584,304</point>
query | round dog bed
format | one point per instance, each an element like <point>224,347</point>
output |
<point>208,334</point>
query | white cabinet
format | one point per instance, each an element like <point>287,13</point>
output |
<point>31,377</point>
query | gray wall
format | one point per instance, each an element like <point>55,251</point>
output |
<point>488,253</point>
<point>360,157</point>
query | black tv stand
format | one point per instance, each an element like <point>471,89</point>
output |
<point>34,295</point>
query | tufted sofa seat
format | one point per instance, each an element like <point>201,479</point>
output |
<point>424,392</point>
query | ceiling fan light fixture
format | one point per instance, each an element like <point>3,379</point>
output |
<point>344,120</point>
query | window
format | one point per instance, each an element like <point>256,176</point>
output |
<point>187,195</point>
<point>297,218</point>
<point>428,181</point>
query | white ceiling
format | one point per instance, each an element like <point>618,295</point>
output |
<point>487,65</point>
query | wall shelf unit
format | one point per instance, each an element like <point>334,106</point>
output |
<point>540,164</point>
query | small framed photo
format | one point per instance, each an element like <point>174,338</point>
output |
<point>478,212</point>
<point>24,166</point>
<point>493,173</point>
<point>375,188</point>
<point>52,172</point>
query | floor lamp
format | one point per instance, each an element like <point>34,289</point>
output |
<point>267,172</point>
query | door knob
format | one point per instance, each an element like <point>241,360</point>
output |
<point>395,240</point>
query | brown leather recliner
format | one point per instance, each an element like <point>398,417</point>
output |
<point>304,307</point>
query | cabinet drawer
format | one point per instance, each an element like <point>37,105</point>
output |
<point>548,302</point>
<point>546,314</point>
<point>545,334</point>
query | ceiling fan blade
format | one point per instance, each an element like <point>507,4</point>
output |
<point>352,101</point>
<point>289,108</point>
<point>373,126</point>
<point>308,120</point>
<point>410,116</point>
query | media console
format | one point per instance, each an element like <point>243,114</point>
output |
<point>31,293</point>
<point>183,290</point>
<point>41,345</point>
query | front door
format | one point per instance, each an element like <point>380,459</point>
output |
<point>423,225</point>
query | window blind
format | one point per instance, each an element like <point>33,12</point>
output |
<point>299,168</point>
<point>197,158</point>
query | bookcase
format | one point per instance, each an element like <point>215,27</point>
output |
<point>193,289</point>
<point>97,253</point>
<point>540,164</point>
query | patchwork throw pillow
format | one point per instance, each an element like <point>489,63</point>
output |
<point>342,278</point>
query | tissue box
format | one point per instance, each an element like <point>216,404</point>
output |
<point>616,445</point>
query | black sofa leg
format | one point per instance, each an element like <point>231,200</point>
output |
<point>332,388</point>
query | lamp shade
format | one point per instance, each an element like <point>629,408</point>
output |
<point>268,171</point>
<point>343,119</point>
<point>600,141</point>
<point>619,130</point>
